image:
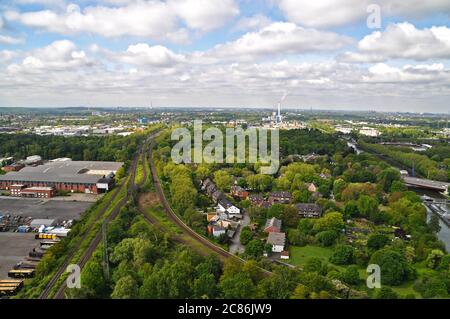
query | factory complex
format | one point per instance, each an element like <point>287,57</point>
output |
<point>61,176</point>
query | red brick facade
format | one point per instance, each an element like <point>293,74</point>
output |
<point>68,187</point>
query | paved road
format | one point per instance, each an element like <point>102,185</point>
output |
<point>236,246</point>
<point>425,183</point>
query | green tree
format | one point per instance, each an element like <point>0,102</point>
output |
<point>377,241</point>
<point>238,286</point>
<point>394,267</point>
<point>343,255</point>
<point>368,207</point>
<point>246,236</point>
<point>327,238</point>
<point>223,180</point>
<point>331,221</point>
<point>385,293</point>
<point>205,286</point>
<point>387,177</point>
<point>125,288</point>
<point>255,248</point>
<point>351,275</point>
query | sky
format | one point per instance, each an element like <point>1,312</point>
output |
<point>381,55</point>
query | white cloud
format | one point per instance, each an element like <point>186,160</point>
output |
<point>151,19</point>
<point>62,74</point>
<point>61,54</point>
<point>143,54</point>
<point>255,22</point>
<point>7,55</point>
<point>279,38</point>
<point>5,39</point>
<point>331,13</point>
<point>404,40</point>
<point>355,57</point>
<point>422,73</point>
<point>323,13</point>
<point>205,15</point>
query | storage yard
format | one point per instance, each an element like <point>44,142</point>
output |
<point>38,208</point>
<point>14,247</point>
<point>21,218</point>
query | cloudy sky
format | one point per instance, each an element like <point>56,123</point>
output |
<point>223,53</point>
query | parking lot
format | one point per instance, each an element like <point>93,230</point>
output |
<point>14,247</point>
<point>41,208</point>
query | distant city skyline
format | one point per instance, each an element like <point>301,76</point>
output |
<point>225,53</point>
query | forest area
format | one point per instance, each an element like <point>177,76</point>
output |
<point>83,148</point>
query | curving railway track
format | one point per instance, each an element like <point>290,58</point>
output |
<point>177,220</point>
<point>131,188</point>
<point>130,184</point>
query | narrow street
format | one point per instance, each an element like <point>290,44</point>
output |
<point>236,246</point>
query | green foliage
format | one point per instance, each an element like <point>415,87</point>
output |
<point>88,148</point>
<point>394,267</point>
<point>424,165</point>
<point>385,293</point>
<point>304,142</point>
<point>387,177</point>
<point>261,182</point>
<point>432,287</point>
<point>255,248</point>
<point>343,255</point>
<point>246,235</point>
<point>331,221</point>
<point>377,241</point>
<point>125,288</point>
<point>327,238</point>
<point>223,180</point>
<point>350,275</point>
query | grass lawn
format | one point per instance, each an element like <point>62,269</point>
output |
<point>406,289</point>
<point>299,255</point>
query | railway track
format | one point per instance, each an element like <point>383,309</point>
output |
<point>177,220</point>
<point>130,184</point>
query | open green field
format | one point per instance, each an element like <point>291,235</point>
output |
<point>299,255</point>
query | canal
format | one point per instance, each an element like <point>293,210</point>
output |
<point>444,233</point>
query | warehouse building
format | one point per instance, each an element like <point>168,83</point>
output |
<point>68,176</point>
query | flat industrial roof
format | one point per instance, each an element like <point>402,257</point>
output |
<point>82,172</point>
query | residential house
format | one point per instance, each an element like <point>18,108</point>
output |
<point>216,230</point>
<point>309,210</point>
<point>210,188</point>
<point>273,225</point>
<point>225,205</point>
<point>238,191</point>
<point>284,254</point>
<point>278,241</point>
<point>256,199</point>
<point>216,196</point>
<point>282,197</point>
<point>206,183</point>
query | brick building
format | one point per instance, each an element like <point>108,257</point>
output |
<point>19,190</point>
<point>68,176</point>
